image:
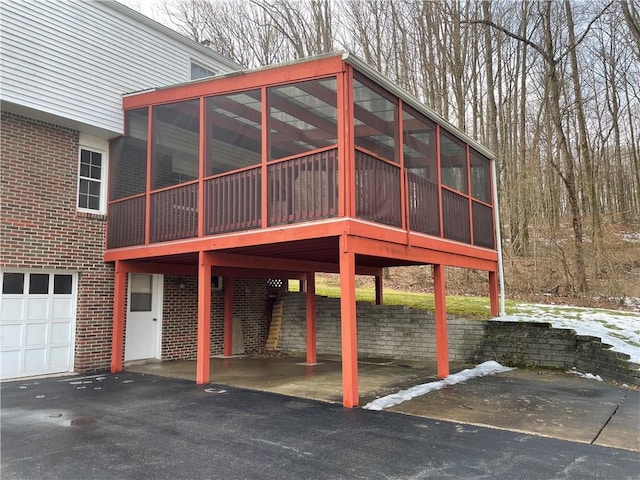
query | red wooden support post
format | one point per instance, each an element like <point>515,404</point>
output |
<point>493,294</point>
<point>147,215</point>
<point>204,319</point>
<point>228,316</point>
<point>311,317</point>
<point>264,140</point>
<point>442,346</point>
<point>117,337</point>
<point>202,172</point>
<point>379,298</point>
<point>348,326</point>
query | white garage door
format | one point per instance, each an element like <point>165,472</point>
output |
<point>37,322</point>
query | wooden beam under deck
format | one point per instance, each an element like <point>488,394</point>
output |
<point>366,238</point>
<point>416,255</point>
<point>247,267</point>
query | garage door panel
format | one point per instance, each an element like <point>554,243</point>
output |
<point>58,357</point>
<point>62,308</point>
<point>11,335</point>
<point>60,332</point>
<point>36,334</point>
<point>11,309</point>
<point>10,363</point>
<point>34,360</point>
<point>37,322</point>
<point>37,308</point>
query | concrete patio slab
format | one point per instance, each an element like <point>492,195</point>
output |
<point>547,403</point>
<point>291,376</point>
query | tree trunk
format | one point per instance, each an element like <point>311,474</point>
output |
<point>568,174</point>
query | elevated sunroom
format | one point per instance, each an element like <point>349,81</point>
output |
<point>316,165</point>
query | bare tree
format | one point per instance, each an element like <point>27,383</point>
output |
<point>551,87</point>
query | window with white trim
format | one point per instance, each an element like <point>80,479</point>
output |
<point>92,175</point>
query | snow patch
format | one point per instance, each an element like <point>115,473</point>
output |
<point>486,368</point>
<point>620,330</point>
<point>588,376</point>
<point>631,237</point>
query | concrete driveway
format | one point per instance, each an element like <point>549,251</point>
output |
<point>141,426</point>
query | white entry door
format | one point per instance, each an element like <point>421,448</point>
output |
<point>37,322</point>
<point>144,323</point>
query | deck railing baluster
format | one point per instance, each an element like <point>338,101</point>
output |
<point>303,188</point>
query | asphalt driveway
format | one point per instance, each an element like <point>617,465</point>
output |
<point>138,426</point>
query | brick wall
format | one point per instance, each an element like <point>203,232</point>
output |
<point>180,316</point>
<point>533,344</point>
<point>41,228</point>
<point>594,356</point>
<point>529,344</point>
<point>406,334</point>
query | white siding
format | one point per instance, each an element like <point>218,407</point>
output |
<point>75,59</point>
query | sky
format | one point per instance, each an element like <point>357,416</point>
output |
<point>153,9</point>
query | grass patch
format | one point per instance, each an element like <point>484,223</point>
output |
<point>468,307</point>
<point>611,326</point>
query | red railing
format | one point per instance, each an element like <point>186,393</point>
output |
<point>232,202</point>
<point>483,225</point>
<point>455,216</point>
<point>126,223</point>
<point>174,213</point>
<point>300,189</point>
<point>303,188</point>
<point>377,190</point>
<point>424,211</point>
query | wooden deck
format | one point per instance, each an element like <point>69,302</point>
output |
<point>315,166</point>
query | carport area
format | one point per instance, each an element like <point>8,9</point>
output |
<point>320,165</point>
<point>541,402</point>
<point>293,376</point>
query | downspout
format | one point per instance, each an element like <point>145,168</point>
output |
<point>496,213</point>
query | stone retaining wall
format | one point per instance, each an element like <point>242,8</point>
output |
<point>398,332</point>
<point>388,331</point>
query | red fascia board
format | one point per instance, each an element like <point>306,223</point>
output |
<point>387,240</point>
<point>247,238</point>
<point>192,270</point>
<point>419,255</point>
<point>398,236</point>
<point>246,80</point>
